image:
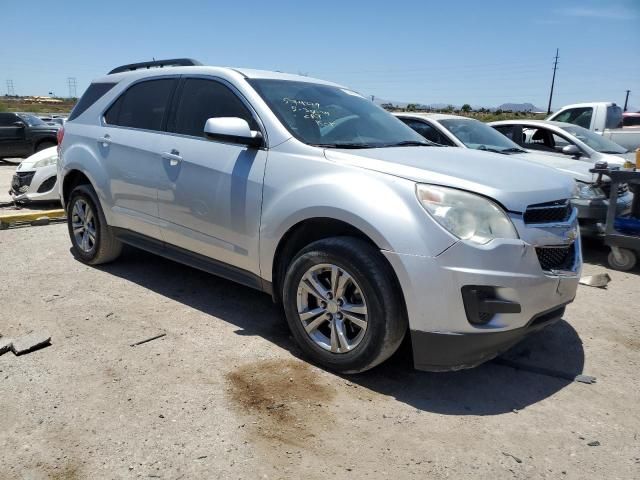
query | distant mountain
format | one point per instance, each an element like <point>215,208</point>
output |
<point>520,107</point>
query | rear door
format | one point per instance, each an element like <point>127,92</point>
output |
<point>213,197</point>
<point>129,145</point>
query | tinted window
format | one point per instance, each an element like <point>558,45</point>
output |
<point>143,105</point>
<point>577,116</point>
<point>203,99</point>
<point>31,120</point>
<point>427,131</point>
<point>7,119</point>
<point>614,117</point>
<point>93,93</point>
<point>478,135</point>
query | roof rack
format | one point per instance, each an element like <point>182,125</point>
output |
<point>173,62</point>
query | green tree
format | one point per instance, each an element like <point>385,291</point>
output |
<point>466,108</point>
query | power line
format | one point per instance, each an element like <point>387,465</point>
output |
<point>73,85</point>
<point>553,81</point>
<point>10,89</point>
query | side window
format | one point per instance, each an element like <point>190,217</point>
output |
<point>538,139</point>
<point>202,99</point>
<point>577,116</point>
<point>93,93</point>
<point>427,131</point>
<point>143,105</point>
<point>7,119</point>
<point>614,117</point>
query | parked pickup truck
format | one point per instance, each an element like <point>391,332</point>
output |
<point>23,134</point>
<point>604,118</point>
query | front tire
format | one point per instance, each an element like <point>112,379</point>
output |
<point>625,262</point>
<point>343,304</point>
<point>92,240</point>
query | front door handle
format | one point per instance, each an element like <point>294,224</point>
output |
<point>173,156</point>
<point>105,141</point>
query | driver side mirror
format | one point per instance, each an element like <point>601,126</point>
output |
<point>572,150</point>
<point>19,124</point>
<point>232,130</point>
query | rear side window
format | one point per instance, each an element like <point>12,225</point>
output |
<point>93,93</point>
<point>202,99</point>
<point>8,119</point>
<point>143,105</point>
<point>614,117</point>
<point>631,121</point>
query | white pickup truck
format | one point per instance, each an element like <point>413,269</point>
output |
<point>604,118</point>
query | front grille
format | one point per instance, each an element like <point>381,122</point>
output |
<point>623,188</point>
<point>550,212</point>
<point>47,184</point>
<point>556,258</point>
<point>21,181</point>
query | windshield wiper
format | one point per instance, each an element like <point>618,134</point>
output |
<point>483,148</point>
<point>344,145</point>
<point>410,143</point>
<point>513,150</point>
<point>614,153</point>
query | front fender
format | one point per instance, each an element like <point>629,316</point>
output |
<point>383,207</point>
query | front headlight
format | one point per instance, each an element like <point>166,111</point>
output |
<point>45,162</point>
<point>466,215</point>
<point>587,191</point>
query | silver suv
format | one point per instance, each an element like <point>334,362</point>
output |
<point>304,189</point>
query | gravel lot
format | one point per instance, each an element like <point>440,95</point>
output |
<point>225,395</point>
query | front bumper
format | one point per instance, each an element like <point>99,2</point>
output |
<point>442,336</point>
<point>35,185</point>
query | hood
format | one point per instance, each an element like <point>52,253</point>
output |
<point>28,163</point>
<point>512,182</point>
<point>578,169</point>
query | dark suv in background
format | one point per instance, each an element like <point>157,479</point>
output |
<point>22,134</point>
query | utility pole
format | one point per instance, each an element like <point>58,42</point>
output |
<point>71,81</point>
<point>626,101</point>
<point>10,90</point>
<point>553,81</point>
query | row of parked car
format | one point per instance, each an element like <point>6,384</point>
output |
<point>363,229</point>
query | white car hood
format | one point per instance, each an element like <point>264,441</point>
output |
<point>28,163</point>
<point>579,170</point>
<point>513,182</point>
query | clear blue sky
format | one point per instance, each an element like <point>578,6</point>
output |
<point>450,51</point>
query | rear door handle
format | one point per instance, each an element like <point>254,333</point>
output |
<point>105,141</point>
<point>173,156</point>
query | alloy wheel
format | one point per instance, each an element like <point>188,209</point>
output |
<point>83,223</point>
<point>332,308</point>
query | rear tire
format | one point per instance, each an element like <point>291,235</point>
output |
<point>356,318</point>
<point>92,240</point>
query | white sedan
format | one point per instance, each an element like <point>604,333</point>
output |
<point>35,179</point>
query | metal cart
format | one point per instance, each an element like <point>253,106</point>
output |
<point>625,246</point>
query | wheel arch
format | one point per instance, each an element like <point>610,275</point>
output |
<point>305,232</point>
<point>72,179</point>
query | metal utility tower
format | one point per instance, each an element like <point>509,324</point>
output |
<point>10,89</point>
<point>73,84</point>
<point>553,81</point>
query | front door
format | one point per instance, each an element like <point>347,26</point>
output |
<point>212,201</point>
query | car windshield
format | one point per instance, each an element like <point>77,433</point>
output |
<point>31,120</point>
<point>329,116</point>
<point>475,134</point>
<point>595,141</point>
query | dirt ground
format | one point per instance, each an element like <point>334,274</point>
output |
<point>225,394</point>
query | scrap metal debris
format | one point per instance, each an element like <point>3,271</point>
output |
<point>5,344</point>
<point>512,456</point>
<point>549,372</point>
<point>148,340</point>
<point>600,280</point>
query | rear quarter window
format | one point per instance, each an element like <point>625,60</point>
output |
<point>614,117</point>
<point>91,96</point>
